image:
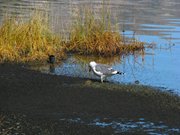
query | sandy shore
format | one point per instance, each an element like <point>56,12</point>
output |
<point>40,100</point>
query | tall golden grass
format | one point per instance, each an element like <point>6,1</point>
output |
<point>29,40</point>
<point>92,35</point>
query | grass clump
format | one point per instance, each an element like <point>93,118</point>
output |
<point>28,40</point>
<point>23,40</point>
<point>93,35</point>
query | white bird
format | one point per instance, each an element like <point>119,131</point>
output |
<point>102,71</point>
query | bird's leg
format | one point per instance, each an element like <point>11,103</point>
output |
<point>102,77</point>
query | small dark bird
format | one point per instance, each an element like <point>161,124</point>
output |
<point>52,59</point>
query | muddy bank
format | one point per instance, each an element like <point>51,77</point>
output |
<point>42,97</point>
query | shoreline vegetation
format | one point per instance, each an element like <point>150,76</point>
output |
<point>27,40</point>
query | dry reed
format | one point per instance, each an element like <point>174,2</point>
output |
<point>29,40</point>
<point>91,35</point>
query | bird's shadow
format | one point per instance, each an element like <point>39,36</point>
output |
<point>98,80</point>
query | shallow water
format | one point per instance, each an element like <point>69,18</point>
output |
<point>130,126</point>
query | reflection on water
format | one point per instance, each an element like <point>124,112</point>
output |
<point>98,59</point>
<point>130,126</point>
<point>160,18</point>
<point>158,68</point>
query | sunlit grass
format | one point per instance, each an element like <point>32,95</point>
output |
<point>97,35</point>
<point>25,40</point>
<point>29,40</point>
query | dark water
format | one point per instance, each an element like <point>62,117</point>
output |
<point>130,126</point>
<point>151,21</point>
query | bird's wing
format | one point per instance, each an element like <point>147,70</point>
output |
<point>106,70</point>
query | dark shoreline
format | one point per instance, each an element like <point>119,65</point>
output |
<point>39,96</point>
